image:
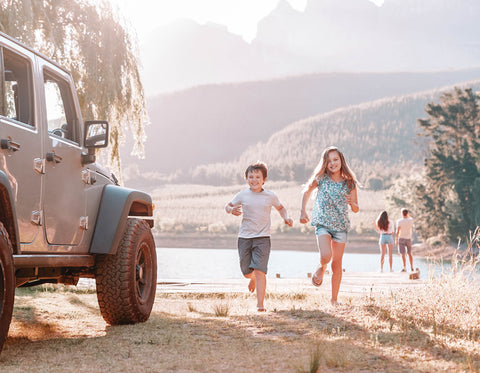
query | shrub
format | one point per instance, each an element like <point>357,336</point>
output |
<point>217,227</point>
<point>375,183</point>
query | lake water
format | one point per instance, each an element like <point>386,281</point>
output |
<point>216,264</point>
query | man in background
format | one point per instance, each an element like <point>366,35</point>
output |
<point>404,238</point>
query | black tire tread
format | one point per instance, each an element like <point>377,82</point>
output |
<point>6,310</point>
<point>116,292</point>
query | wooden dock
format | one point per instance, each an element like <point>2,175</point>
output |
<point>353,283</point>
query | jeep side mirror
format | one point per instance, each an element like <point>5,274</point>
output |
<point>96,134</point>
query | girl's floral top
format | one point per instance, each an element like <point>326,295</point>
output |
<point>330,208</point>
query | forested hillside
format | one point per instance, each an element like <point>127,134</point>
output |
<point>378,138</point>
<point>216,123</point>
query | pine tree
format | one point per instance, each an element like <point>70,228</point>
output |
<point>453,165</point>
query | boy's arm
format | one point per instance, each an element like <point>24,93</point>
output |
<point>230,208</point>
<point>283,213</point>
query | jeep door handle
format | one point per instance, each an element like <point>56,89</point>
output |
<point>9,144</point>
<point>52,157</point>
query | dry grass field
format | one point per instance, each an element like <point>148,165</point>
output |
<point>200,208</point>
<point>431,328</point>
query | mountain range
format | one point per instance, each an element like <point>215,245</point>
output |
<point>328,36</point>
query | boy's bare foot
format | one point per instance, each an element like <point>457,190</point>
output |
<point>335,303</point>
<point>252,285</point>
<point>261,309</point>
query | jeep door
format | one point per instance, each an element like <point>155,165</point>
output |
<point>64,201</point>
<point>20,139</point>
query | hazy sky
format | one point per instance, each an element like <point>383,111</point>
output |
<point>240,16</point>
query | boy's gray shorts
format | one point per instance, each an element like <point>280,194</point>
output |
<point>254,254</point>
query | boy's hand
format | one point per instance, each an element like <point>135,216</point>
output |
<point>289,222</point>
<point>237,210</point>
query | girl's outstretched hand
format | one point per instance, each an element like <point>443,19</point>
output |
<point>304,217</point>
<point>351,199</point>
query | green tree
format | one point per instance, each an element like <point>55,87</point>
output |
<point>89,39</point>
<point>418,196</point>
<point>452,167</point>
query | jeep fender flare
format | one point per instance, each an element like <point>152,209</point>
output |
<point>116,205</point>
<point>8,214</point>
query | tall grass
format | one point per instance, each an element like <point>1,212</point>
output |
<point>446,308</point>
<point>221,310</point>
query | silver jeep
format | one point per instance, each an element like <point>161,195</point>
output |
<point>63,216</point>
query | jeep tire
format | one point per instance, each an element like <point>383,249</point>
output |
<point>126,281</point>
<point>7,284</point>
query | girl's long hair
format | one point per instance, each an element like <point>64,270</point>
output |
<point>321,169</point>
<point>382,221</point>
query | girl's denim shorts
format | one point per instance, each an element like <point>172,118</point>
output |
<point>340,237</point>
<point>386,239</point>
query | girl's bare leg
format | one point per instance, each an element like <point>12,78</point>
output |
<point>390,256</point>
<point>337,257</point>
<point>382,256</point>
<point>324,244</point>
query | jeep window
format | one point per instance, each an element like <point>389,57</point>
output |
<point>61,116</point>
<point>17,88</point>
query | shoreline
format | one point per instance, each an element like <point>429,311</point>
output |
<point>357,244</point>
<point>365,244</point>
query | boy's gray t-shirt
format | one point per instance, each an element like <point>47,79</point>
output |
<point>256,210</point>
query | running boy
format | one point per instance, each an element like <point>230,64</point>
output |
<point>254,236</point>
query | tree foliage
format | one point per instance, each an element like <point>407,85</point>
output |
<point>90,41</point>
<point>452,169</point>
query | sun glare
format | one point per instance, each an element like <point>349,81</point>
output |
<point>239,16</point>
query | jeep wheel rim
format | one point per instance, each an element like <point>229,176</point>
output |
<point>143,273</point>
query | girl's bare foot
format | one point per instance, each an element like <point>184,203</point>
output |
<point>317,277</point>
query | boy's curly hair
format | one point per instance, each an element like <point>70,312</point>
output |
<point>259,165</point>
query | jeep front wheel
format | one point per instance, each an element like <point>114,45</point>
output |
<point>7,284</point>
<point>126,282</point>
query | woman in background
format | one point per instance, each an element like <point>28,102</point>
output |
<point>385,227</point>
